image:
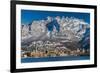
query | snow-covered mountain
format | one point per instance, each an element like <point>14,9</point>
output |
<point>71,29</point>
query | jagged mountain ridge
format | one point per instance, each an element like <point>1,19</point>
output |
<point>71,29</point>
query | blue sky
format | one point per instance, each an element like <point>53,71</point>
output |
<point>27,16</point>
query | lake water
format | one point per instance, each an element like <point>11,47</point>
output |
<point>48,59</point>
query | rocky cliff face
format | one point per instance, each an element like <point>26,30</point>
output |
<point>71,29</point>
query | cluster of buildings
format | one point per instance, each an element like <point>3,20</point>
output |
<point>52,49</point>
